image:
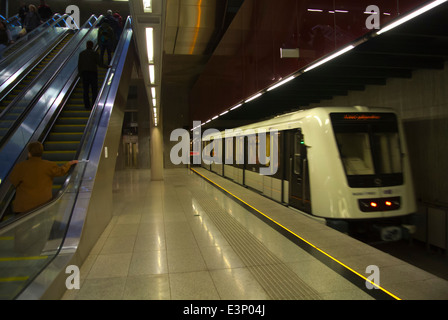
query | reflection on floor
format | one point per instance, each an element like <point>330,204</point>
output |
<point>164,243</point>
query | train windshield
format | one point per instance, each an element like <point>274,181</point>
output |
<point>369,146</point>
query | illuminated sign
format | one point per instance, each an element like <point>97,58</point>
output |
<point>361,117</point>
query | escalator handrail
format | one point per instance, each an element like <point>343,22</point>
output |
<point>56,264</point>
<point>25,73</point>
<point>5,185</point>
<point>12,66</point>
<point>24,43</point>
<point>101,99</point>
<point>36,98</point>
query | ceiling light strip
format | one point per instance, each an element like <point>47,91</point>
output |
<point>334,55</point>
<point>150,44</point>
<point>281,83</point>
<point>411,16</point>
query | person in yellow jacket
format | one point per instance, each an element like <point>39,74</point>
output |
<point>33,179</point>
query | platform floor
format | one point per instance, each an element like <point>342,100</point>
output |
<point>185,238</point>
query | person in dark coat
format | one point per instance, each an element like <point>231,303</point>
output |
<point>88,62</point>
<point>33,179</point>
<point>23,10</point>
<point>44,10</point>
<point>32,19</point>
<point>106,40</point>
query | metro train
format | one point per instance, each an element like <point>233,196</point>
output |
<point>347,165</point>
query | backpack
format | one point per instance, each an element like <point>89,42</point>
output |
<point>105,33</point>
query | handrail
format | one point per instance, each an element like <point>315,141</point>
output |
<point>71,207</point>
<point>45,86</point>
<point>7,91</point>
<point>21,155</point>
<point>25,42</point>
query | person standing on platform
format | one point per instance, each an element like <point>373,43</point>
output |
<point>33,179</point>
<point>88,62</point>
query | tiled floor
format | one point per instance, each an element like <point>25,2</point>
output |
<point>182,239</point>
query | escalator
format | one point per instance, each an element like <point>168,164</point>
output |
<point>19,86</point>
<point>61,144</point>
<point>63,141</point>
<point>22,43</point>
<point>33,244</point>
<point>28,113</point>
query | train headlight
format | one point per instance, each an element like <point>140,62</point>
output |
<point>379,204</point>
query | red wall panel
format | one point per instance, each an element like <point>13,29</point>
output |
<point>247,59</point>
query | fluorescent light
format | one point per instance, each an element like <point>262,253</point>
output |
<point>227,111</point>
<point>154,102</point>
<point>237,106</point>
<point>281,83</point>
<point>315,10</point>
<point>334,55</point>
<point>153,92</point>
<point>341,11</point>
<point>215,117</point>
<point>253,97</point>
<point>152,74</point>
<point>411,16</point>
<point>147,6</point>
<point>150,44</point>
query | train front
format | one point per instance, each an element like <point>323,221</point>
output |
<point>373,153</point>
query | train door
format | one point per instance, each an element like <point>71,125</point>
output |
<point>299,182</point>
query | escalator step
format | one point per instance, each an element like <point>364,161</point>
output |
<point>61,145</point>
<point>33,73</point>
<point>68,128</point>
<point>65,136</point>
<point>72,120</point>
<point>63,156</point>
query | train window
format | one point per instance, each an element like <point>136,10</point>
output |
<point>252,142</point>
<point>356,153</point>
<point>388,153</point>
<point>229,150</point>
<point>369,146</point>
<point>239,150</point>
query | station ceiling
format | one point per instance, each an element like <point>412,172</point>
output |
<point>421,43</point>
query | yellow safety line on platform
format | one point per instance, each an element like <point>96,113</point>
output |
<point>296,235</point>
